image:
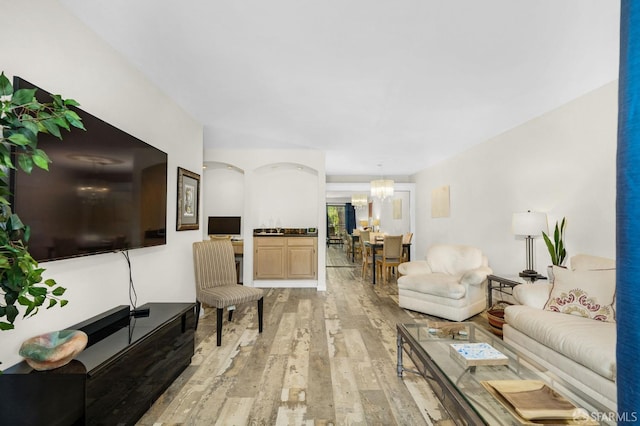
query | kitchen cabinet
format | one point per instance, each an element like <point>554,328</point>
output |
<point>302,259</point>
<point>269,259</point>
<point>280,257</point>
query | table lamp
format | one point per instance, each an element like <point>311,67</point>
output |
<point>529,225</point>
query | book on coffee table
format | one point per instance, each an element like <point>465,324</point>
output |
<point>534,401</point>
<point>472,354</point>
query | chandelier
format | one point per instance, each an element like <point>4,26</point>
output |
<point>382,188</point>
<point>94,189</point>
<point>92,193</point>
<point>359,200</point>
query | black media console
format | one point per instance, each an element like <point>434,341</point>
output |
<point>128,363</point>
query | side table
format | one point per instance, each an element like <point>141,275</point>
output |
<point>504,284</point>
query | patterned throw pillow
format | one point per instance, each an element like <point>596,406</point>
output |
<point>589,294</point>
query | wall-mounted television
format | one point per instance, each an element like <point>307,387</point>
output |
<point>224,225</point>
<point>105,190</point>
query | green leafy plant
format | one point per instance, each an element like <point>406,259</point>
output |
<point>556,247</point>
<point>22,118</point>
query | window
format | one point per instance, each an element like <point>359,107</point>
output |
<point>336,225</point>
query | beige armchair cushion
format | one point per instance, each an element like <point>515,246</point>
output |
<point>436,284</point>
<point>454,259</point>
<point>415,267</point>
<point>476,276</point>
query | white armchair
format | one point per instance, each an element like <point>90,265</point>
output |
<point>449,284</point>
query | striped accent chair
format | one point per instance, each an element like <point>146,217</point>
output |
<point>215,271</point>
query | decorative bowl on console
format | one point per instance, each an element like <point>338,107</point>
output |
<point>53,350</point>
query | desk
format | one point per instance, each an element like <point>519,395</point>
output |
<point>238,247</point>
<point>406,247</point>
<point>238,251</point>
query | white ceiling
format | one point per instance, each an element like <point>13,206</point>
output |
<point>402,83</point>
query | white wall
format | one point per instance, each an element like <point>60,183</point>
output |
<point>41,42</point>
<point>285,196</point>
<point>561,163</point>
<point>383,211</point>
<point>282,188</point>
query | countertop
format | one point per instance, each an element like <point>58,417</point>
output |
<point>285,232</point>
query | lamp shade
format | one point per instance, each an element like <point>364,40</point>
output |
<point>529,224</point>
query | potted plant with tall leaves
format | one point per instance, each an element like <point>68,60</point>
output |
<point>22,119</point>
<point>556,247</point>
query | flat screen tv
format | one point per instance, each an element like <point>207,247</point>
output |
<point>105,191</point>
<point>224,225</point>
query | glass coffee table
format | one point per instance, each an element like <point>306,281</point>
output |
<point>461,385</point>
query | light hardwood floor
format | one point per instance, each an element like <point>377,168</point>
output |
<point>324,358</point>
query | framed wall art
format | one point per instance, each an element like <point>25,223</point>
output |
<point>440,202</point>
<point>188,200</point>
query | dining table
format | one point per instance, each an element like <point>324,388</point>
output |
<point>376,248</point>
<point>354,240</point>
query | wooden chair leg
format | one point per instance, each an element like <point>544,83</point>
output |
<point>260,310</point>
<point>198,305</point>
<point>219,326</point>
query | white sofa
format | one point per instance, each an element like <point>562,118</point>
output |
<point>450,283</point>
<point>549,327</point>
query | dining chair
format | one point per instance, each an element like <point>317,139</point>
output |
<point>357,243</point>
<point>391,255</point>
<point>216,281</point>
<point>346,243</point>
<point>364,251</point>
<point>406,239</point>
<point>364,236</point>
<point>367,259</point>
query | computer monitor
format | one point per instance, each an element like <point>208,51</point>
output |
<point>224,225</point>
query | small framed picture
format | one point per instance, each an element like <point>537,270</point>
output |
<point>188,200</point>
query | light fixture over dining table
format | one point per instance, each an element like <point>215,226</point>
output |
<point>382,188</point>
<point>359,200</point>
